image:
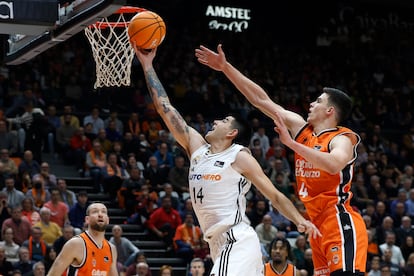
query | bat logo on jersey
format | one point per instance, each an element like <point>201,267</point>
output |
<point>219,164</point>
<point>106,259</point>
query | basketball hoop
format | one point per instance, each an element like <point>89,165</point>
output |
<point>111,49</point>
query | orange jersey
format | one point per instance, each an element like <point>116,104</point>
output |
<point>96,261</point>
<point>290,270</point>
<point>326,197</point>
<point>318,189</point>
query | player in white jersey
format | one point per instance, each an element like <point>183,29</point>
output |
<point>220,174</point>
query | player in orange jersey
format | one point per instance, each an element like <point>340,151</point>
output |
<point>88,253</point>
<point>280,259</point>
<point>324,161</point>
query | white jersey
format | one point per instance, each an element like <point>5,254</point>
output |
<point>217,190</point>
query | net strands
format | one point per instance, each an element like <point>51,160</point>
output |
<point>112,52</point>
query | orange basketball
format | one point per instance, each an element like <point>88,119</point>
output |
<point>146,29</point>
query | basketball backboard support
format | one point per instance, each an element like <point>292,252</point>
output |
<point>72,19</point>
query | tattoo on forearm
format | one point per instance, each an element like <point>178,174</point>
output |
<point>158,95</point>
<point>178,122</point>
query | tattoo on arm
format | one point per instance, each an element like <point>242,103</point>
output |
<point>158,95</point>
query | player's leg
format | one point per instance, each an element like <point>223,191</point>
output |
<point>241,254</point>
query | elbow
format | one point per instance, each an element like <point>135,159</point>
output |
<point>332,168</point>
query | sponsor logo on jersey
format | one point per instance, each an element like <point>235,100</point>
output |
<point>208,177</point>
<point>97,272</point>
<point>219,164</point>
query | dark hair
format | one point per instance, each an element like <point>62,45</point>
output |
<point>341,101</point>
<point>285,243</point>
<point>244,129</point>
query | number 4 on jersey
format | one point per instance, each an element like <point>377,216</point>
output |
<point>303,192</point>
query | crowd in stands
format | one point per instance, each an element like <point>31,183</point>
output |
<point>114,137</point>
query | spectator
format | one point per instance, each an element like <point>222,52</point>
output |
<point>28,166</point>
<point>197,267</point>
<point>410,203</point>
<point>66,195</point>
<point>49,230</point>
<point>397,257</point>
<point>299,250</point>
<point>36,245</point>
<point>407,247</point>
<point>388,266</point>
<point>147,202</point>
<point>373,248</point>
<point>6,266</point>
<point>9,165</point>
<point>53,123</point>
<point>164,221</point>
<point>125,248</point>
<point>31,130</point>
<point>49,258</point>
<point>266,231</point>
<point>187,208</point>
<point>375,267</point>
<point>48,178</point>
<point>279,221</point>
<point>139,258</point>
<point>113,117</point>
<point>168,191</point>
<point>67,233</point>
<point>409,267</point>
<point>187,239</point>
<point>39,269</point>
<point>11,249</point>
<point>78,212</point>
<point>64,135</point>
<point>14,196</point>
<point>141,269</point>
<point>73,119</point>
<point>29,210</point>
<point>111,132</point>
<point>155,175</point>
<point>58,209</point>
<point>113,176</point>
<point>95,165</point>
<point>38,192</point>
<point>21,226</point>
<point>25,264</point>
<point>106,144</point>
<point>95,120</point>
<point>257,212</point>
<point>80,145</point>
<point>130,189</point>
<point>166,270</point>
<point>405,229</point>
<point>307,266</point>
<point>8,139</point>
<point>133,125</point>
<point>178,177</point>
<point>164,157</point>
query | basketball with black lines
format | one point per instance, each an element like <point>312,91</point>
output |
<point>147,30</point>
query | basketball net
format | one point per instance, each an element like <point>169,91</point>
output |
<point>111,49</point>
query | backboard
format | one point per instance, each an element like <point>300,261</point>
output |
<point>30,37</point>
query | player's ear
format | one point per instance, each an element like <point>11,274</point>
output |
<point>233,133</point>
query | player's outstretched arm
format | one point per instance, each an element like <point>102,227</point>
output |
<point>186,136</point>
<point>252,91</point>
<point>248,166</point>
<point>71,253</point>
